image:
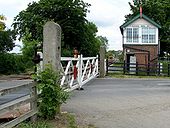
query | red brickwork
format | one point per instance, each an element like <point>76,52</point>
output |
<point>143,53</point>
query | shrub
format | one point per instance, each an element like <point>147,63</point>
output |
<point>52,95</point>
<point>11,63</point>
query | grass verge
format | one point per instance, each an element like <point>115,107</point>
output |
<point>115,75</point>
<point>65,120</point>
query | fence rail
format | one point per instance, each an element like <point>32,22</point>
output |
<point>30,99</point>
<point>138,69</point>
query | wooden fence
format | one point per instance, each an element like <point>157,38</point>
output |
<point>30,98</point>
<point>138,69</point>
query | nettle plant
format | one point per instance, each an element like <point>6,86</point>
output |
<point>52,95</point>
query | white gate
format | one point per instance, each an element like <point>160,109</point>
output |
<point>78,71</point>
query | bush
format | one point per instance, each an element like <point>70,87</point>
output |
<point>11,63</point>
<point>52,95</point>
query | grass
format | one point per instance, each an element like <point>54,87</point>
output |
<point>65,120</point>
<point>116,75</point>
<point>38,124</point>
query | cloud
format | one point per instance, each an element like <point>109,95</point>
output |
<point>11,8</point>
<point>108,15</point>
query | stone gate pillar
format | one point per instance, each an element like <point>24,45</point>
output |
<point>52,45</point>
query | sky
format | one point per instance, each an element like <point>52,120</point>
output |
<point>108,15</point>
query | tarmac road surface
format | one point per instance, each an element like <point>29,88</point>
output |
<point>122,103</point>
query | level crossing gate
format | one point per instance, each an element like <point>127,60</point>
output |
<point>78,71</point>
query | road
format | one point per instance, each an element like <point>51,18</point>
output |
<point>122,103</point>
<point>14,94</point>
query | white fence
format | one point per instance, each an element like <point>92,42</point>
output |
<point>78,71</point>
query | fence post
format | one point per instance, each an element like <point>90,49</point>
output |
<point>107,65</point>
<point>97,64</point>
<point>80,59</point>
<point>148,69</point>
<point>102,61</point>
<point>159,68</point>
<point>124,67</point>
<point>136,68</point>
<point>33,103</point>
<point>168,70</point>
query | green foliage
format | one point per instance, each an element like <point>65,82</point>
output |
<point>7,37</point>
<point>2,24</point>
<point>103,40</point>
<point>71,121</point>
<point>157,10</point>
<point>52,95</point>
<point>69,14</point>
<point>90,45</point>
<point>39,124</point>
<point>67,52</point>
<point>11,63</point>
<point>117,55</point>
<point>6,40</point>
<point>28,52</point>
<point>165,67</point>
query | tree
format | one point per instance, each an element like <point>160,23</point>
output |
<point>2,24</point>
<point>7,37</point>
<point>69,14</point>
<point>28,50</point>
<point>104,41</point>
<point>158,11</point>
<point>91,45</point>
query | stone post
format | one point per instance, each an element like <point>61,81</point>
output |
<point>102,61</point>
<point>52,45</point>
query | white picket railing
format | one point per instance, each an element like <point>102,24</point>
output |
<point>78,71</point>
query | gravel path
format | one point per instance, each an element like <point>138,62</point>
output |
<point>122,103</point>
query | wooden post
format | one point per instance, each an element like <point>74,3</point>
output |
<point>33,104</point>
<point>159,69</point>
<point>136,68</point>
<point>148,69</point>
<point>124,67</point>
<point>168,70</point>
<point>102,61</point>
<point>107,65</point>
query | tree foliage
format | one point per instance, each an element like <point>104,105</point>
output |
<point>69,14</point>
<point>6,40</point>
<point>157,10</point>
<point>11,63</point>
<point>28,52</point>
<point>103,40</point>
<point>2,24</point>
<point>7,37</point>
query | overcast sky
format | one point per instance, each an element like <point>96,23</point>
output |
<point>108,15</point>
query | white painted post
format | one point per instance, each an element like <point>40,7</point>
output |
<point>80,59</point>
<point>40,65</point>
<point>161,67</point>
<point>97,64</point>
